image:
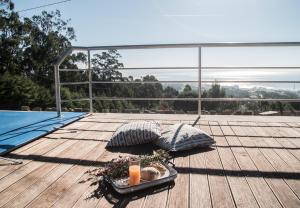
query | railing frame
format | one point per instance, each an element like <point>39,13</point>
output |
<point>198,46</point>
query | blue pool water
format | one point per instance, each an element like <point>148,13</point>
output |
<point>18,128</point>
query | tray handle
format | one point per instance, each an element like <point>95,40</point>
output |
<point>172,164</point>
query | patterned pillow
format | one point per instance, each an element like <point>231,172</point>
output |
<point>133,133</point>
<point>180,137</point>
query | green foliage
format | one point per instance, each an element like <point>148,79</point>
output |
<point>7,3</point>
<point>28,47</point>
<point>147,90</point>
<point>105,66</point>
<point>187,89</point>
<point>170,92</point>
<point>187,105</point>
<point>19,90</point>
<point>216,91</point>
<point>295,105</point>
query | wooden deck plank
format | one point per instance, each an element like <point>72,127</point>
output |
<point>291,147</point>
<point>39,148</point>
<point>59,187</point>
<point>296,129</point>
<point>264,160</point>
<point>70,197</point>
<point>226,130</point>
<point>84,200</point>
<point>20,186</point>
<point>240,188</point>
<point>199,197</point>
<point>295,141</point>
<point>30,145</point>
<point>21,172</point>
<point>284,153</point>
<point>237,131</point>
<point>43,148</point>
<point>53,192</point>
<point>215,130</point>
<point>219,188</point>
<point>263,194</point>
<point>275,157</point>
<point>289,131</point>
<point>157,200</point>
<point>68,150</point>
<point>179,195</point>
<point>35,189</point>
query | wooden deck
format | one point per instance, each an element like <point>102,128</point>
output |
<point>255,163</point>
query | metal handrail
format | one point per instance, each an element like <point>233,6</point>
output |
<point>190,67</point>
<point>74,83</point>
<point>181,45</point>
<point>186,45</point>
<point>198,46</point>
<point>185,99</point>
<point>180,81</point>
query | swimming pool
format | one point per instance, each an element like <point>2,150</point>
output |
<point>18,127</point>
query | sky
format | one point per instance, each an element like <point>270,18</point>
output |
<point>123,22</point>
<point>117,22</point>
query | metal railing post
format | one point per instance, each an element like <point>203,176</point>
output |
<point>57,90</point>
<point>199,81</point>
<point>90,82</point>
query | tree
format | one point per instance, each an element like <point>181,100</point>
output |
<point>215,92</point>
<point>18,90</point>
<point>106,65</point>
<point>11,38</point>
<point>48,36</point>
<point>147,90</point>
<point>187,105</point>
<point>170,92</point>
<point>187,88</point>
<point>28,48</point>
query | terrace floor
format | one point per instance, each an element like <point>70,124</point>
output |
<point>255,163</point>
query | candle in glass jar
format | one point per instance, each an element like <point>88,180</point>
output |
<point>134,173</point>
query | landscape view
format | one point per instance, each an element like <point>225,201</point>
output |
<point>30,45</point>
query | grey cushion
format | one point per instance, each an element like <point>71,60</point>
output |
<point>180,137</point>
<point>133,133</point>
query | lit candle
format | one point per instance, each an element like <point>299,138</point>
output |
<point>134,172</point>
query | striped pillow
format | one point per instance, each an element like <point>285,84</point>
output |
<point>133,133</point>
<point>180,137</point>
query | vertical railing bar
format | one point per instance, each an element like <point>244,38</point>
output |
<point>57,90</point>
<point>90,82</point>
<point>199,80</point>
